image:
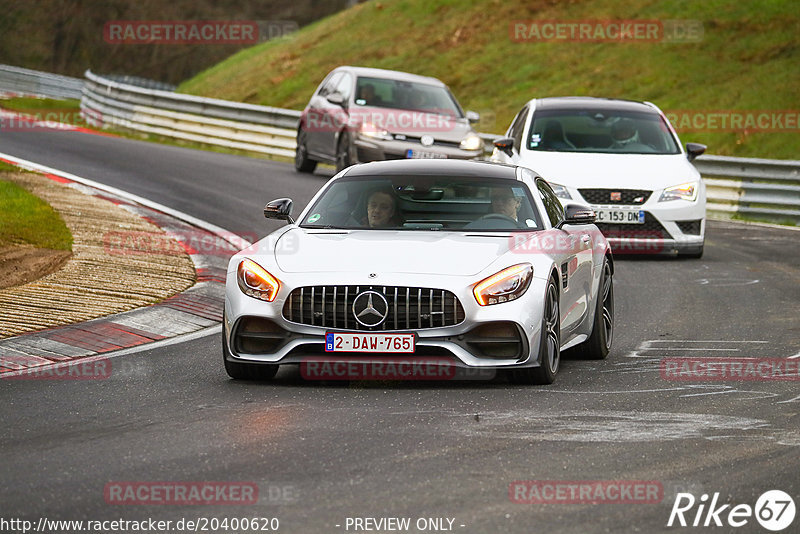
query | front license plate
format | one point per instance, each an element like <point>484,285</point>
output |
<point>351,342</point>
<point>620,216</point>
<point>422,154</point>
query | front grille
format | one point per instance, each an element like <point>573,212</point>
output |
<point>633,197</point>
<point>689,227</point>
<point>650,229</point>
<point>410,308</point>
<point>436,142</point>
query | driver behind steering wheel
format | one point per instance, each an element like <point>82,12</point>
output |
<point>505,203</point>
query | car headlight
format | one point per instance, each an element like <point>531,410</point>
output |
<point>560,191</point>
<point>368,129</point>
<point>687,191</point>
<point>256,282</point>
<point>471,142</point>
<point>508,284</point>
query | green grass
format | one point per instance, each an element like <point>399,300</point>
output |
<point>7,167</point>
<point>27,219</point>
<point>30,105</point>
<point>48,109</point>
<point>747,60</point>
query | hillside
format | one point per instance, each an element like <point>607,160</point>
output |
<point>748,58</point>
<point>68,36</point>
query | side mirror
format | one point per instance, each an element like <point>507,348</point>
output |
<point>336,99</point>
<point>505,144</point>
<point>578,214</point>
<point>280,209</point>
<point>473,117</point>
<point>694,149</point>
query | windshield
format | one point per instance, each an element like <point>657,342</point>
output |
<point>608,131</point>
<point>397,94</point>
<point>424,203</point>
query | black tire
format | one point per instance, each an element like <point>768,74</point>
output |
<point>301,161</point>
<point>549,345</point>
<point>246,371</point>
<point>344,152</point>
<point>598,345</point>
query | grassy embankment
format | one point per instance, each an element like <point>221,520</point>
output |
<point>28,220</point>
<point>747,59</point>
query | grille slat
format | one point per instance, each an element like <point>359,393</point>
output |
<point>325,310</point>
<point>634,197</point>
<point>419,308</point>
<point>395,309</point>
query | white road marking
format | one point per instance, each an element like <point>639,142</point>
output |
<point>701,341</point>
<point>592,426</point>
<point>725,282</point>
<point>652,347</point>
<point>710,393</point>
<point>687,348</point>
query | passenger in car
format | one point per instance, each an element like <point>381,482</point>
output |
<point>382,211</point>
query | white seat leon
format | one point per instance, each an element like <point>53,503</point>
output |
<point>621,157</point>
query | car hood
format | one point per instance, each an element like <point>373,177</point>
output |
<point>414,123</point>
<point>384,251</point>
<point>629,171</point>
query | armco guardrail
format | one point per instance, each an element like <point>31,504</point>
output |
<point>765,189</point>
<point>33,82</point>
<point>757,188</point>
<point>212,121</point>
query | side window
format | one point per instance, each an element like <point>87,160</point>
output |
<point>555,212</point>
<point>330,85</point>
<point>518,126</point>
<point>345,86</point>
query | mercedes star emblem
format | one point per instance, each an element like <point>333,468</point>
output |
<point>370,308</point>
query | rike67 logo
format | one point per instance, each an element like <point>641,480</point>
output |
<point>774,510</point>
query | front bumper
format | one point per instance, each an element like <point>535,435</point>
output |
<point>257,332</point>
<point>380,150</point>
<point>672,227</point>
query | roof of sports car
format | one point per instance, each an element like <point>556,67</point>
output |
<point>592,103</point>
<point>446,167</point>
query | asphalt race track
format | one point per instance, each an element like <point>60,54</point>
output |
<point>321,453</point>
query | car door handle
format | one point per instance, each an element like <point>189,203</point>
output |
<point>586,238</point>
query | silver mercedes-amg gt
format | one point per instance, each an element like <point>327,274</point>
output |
<point>457,264</point>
